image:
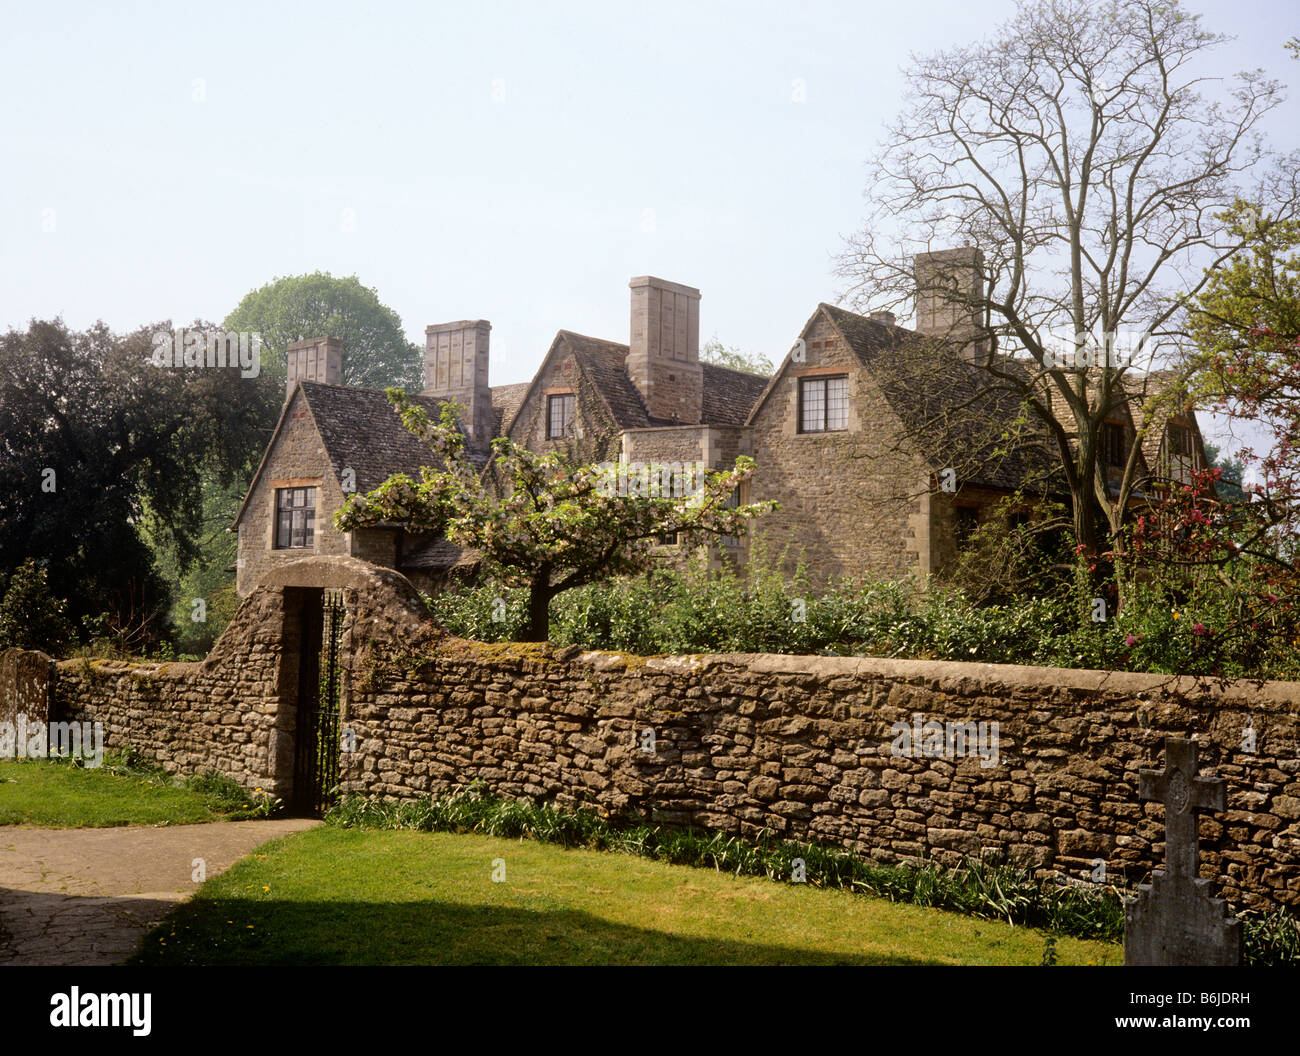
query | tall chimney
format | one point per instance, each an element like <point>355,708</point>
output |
<point>949,283</point>
<point>316,359</point>
<point>456,368</point>
<point>663,359</point>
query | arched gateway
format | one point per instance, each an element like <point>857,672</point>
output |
<point>316,618</point>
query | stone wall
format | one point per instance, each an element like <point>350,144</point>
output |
<point>800,746</point>
<point>236,712</point>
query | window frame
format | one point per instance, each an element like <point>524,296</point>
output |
<point>823,381</point>
<point>1176,430</point>
<point>295,506</point>
<point>567,429</point>
<point>962,532</point>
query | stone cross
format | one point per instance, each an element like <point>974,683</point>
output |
<point>1183,794</point>
<point>1175,919</point>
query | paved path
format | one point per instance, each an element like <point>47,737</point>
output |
<point>87,896</point>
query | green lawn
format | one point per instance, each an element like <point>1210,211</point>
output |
<point>348,896</point>
<point>47,794</point>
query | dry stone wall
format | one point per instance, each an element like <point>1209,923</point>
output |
<point>804,747</point>
<point>1039,764</point>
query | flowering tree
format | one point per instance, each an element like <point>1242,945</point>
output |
<point>544,521</point>
<point>1240,556</point>
<point>1247,326</point>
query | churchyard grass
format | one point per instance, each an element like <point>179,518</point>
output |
<point>48,793</point>
<point>351,896</point>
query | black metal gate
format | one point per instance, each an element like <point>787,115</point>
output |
<point>316,760</point>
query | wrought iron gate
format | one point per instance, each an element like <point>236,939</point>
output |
<point>316,762</point>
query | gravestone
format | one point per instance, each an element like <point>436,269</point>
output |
<point>1175,919</point>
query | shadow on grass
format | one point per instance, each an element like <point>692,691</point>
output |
<point>239,932</point>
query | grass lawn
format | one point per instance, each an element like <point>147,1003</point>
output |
<point>349,896</point>
<point>48,794</point>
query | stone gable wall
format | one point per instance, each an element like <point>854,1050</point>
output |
<point>599,439</point>
<point>297,454</point>
<point>850,501</point>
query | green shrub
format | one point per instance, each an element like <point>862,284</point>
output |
<point>31,617</point>
<point>1179,627</point>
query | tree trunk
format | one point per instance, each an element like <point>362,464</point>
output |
<point>1085,529</point>
<point>539,609</point>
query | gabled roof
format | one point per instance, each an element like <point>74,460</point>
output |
<point>729,394</point>
<point>506,401</point>
<point>946,404</point>
<point>604,363</point>
<point>360,431</point>
<point>727,398</point>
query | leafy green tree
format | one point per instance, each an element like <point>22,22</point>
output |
<point>713,351</point>
<point>376,352</point>
<point>93,438</point>
<point>1231,473</point>
<point>543,521</point>
<point>31,617</point>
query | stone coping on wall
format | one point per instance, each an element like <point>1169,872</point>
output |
<point>957,676</point>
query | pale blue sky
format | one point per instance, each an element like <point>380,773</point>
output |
<point>499,159</point>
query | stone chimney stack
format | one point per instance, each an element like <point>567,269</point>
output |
<point>663,359</point>
<point>948,283</point>
<point>456,368</point>
<point>316,359</point>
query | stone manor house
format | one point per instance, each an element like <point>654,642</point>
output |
<point>884,446</point>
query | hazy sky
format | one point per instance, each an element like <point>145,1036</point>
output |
<point>514,162</point>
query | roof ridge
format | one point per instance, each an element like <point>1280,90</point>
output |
<point>734,370</point>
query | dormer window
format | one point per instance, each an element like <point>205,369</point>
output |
<point>824,404</point>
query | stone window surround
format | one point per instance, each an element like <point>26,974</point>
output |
<point>275,487</point>
<point>1183,429</point>
<point>549,394</point>
<point>793,422</point>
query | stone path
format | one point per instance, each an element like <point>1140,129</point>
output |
<point>87,896</point>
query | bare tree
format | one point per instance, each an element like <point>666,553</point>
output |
<point>1079,151</point>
